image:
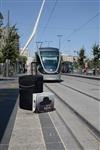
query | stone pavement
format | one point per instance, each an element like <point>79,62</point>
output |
<point>34,131</point>
<point>27,132</point>
<point>22,129</point>
<point>19,129</point>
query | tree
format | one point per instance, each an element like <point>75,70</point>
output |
<point>1,57</point>
<point>10,49</point>
<point>23,59</point>
<point>81,58</point>
<point>1,29</point>
<point>96,54</point>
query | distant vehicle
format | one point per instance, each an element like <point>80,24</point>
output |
<point>48,63</point>
<point>90,71</point>
<point>67,67</point>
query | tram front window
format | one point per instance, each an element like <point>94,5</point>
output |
<point>50,60</point>
<point>50,64</point>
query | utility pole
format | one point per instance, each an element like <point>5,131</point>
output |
<point>8,19</point>
<point>7,63</point>
<point>48,43</point>
<point>39,43</point>
<point>59,37</point>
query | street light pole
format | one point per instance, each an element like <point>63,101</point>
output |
<point>59,36</point>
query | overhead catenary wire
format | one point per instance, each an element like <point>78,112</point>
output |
<point>49,18</point>
<point>35,27</point>
<point>81,26</point>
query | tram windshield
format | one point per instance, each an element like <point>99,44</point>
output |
<point>50,60</point>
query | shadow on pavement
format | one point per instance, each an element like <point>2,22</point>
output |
<point>8,103</point>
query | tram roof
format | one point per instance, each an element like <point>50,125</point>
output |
<point>48,49</point>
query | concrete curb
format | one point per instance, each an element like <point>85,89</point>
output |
<point>83,76</point>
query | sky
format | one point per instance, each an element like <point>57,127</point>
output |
<point>77,21</point>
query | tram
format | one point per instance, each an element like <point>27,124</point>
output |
<point>48,63</point>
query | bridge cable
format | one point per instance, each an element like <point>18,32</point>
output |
<point>35,28</point>
<point>49,18</point>
<point>82,26</point>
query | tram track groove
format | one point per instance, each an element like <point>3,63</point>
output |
<point>67,137</point>
<point>77,139</point>
<point>94,98</point>
<point>83,76</point>
<point>93,129</point>
<point>81,147</point>
<point>82,80</point>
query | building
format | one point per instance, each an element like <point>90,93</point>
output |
<point>69,58</point>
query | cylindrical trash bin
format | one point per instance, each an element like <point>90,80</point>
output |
<point>28,85</point>
<point>38,84</point>
<point>25,99</point>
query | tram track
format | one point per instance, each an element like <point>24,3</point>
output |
<point>94,131</point>
<point>79,142</point>
<point>86,81</point>
<point>68,128</point>
<point>74,89</point>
